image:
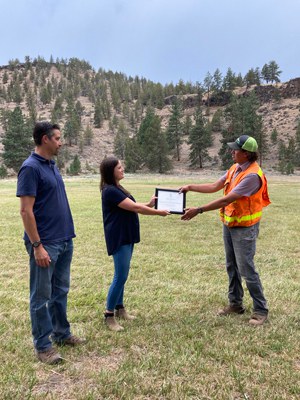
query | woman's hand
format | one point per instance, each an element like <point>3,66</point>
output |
<point>164,213</point>
<point>151,203</point>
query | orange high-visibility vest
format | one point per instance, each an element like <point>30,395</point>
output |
<point>245,211</point>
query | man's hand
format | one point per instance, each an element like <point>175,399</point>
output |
<point>41,256</point>
<point>190,213</point>
<point>184,189</point>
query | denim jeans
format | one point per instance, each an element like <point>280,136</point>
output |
<point>240,246</point>
<point>122,258</point>
<point>49,287</point>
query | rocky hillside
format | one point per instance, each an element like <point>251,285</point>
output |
<point>127,99</point>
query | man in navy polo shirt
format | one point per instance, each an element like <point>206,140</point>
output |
<point>49,231</point>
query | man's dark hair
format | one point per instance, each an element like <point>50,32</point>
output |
<point>43,128</point>
<point>252,156</point>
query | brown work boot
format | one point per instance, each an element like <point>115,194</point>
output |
<point>112,324</point>
<point>71,341</point>
<point>123,314</point>
<point>231,309</point>
<point>49,356</point>
<point>258,319</point>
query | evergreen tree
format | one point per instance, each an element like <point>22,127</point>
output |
<point>153,143</point>
<point>175,129</point>
<point>252,77</point>
<point>57,112</point>
<point>72,126</point>
<point>75,166</point>
<point>274,136</point>
<point>242,119</point>
<point>271,72</point>
<point>5,77</point>
<point>31,105</point>
<point>217,80</point>
<point>17,141</point>
<point>287,157</point>
<point>229,81</point>
<point>120,141</point>
<point>3,172</point>
<point>297,146</point>
<point>133,156</point>
<point>207,84</point>
<point>216,122</point>
<point>199,140</point>
<point>88,135</point>
<point>187,125</point>
<point>98,117</point>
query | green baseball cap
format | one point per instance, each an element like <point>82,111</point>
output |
<point>244,142</point>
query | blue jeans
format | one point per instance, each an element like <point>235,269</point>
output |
<point>240,246</point>
<point>49,287</point>
<point>122,258</point>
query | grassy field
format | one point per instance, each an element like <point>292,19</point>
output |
<point>177,348</point>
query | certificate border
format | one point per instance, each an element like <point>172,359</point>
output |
<point>171,190</point>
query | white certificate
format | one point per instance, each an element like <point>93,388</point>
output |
<point>170,199</point>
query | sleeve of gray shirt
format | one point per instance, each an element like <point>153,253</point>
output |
<point>248,186</point>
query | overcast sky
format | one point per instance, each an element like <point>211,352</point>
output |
<point>161,40</point>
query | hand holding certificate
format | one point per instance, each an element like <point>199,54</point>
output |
<point>170,199</point>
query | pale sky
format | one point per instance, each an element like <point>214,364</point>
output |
<point>161,40</point>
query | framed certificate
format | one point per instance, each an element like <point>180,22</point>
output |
<point>170,199</point>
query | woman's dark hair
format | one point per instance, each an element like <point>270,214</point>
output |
<point>107,168</point>
<point>43,128</point>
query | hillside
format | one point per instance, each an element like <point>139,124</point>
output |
<point>37,87</point>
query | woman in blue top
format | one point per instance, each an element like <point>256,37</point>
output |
<point>121,230</point>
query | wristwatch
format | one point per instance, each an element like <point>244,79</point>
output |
<point>200,210</point>
<point>36,244</point>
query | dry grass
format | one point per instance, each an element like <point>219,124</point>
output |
<point>177,348</point>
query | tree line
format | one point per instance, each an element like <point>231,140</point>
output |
<point>128,104</point>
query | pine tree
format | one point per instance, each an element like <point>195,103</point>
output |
<point>187,125</point>
<point>88,135</point>
<point>153,143</point>
<point>297,146</point>
<point>175,129</point>
<point>252,77</point>
<point>217,80</point>
<point>242,119</point>
<point>133,156</point>
<point>270,72</point>
<point>17,141</point>
<point>120,141</point>
<point>208,83</point>
<point>98,117</point>
<point>75,166</point>
<point>229,81</point>
<point>199,140</point>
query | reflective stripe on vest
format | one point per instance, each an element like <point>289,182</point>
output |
<point>241,219</point>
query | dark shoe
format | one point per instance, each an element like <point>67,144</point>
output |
<point>258,319</point>
<point>123,314</point>
<point>112,324</point>
<point>231,309</point>
<point>49,356</point>
<point>71,341</point>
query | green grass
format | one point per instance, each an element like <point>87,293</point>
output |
<point>177,348</point>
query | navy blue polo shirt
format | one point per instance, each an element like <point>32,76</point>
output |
<point>120,226</point>
<point>40,178</point>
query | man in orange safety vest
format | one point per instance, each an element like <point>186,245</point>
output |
<point>245,195</point>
